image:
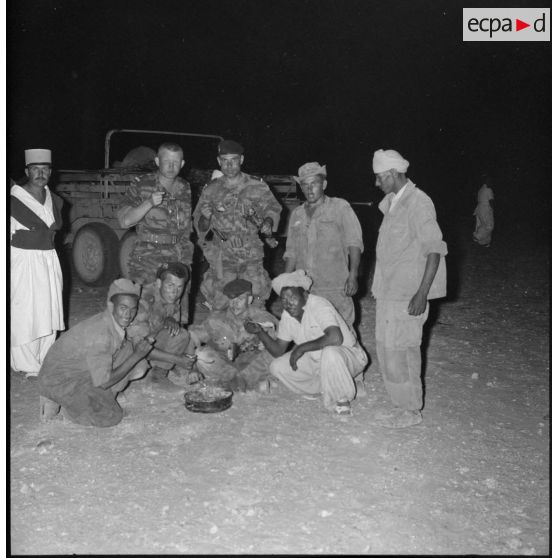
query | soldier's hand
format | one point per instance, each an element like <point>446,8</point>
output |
<point>143,347</point>
<point>157,198</point>
<point>267,227</point>
<point>171,325</point>
<point>187,362</point>
<point>207,212</point>
<point>235,241</point>
<point>195,376</point>
<point>252,327</point>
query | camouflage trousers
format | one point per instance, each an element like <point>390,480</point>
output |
<point>217,276</point>
<point>147,257</point>
<point>251,367</point>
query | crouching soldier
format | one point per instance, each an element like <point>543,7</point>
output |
<point>227,354</point>
<point>158,317</point>
<point>92,362</point>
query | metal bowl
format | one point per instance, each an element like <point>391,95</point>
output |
<point>208,399</point>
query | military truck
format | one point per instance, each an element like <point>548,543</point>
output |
<point>100,248</point>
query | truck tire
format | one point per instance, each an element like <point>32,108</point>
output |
<point>95,254</point>
<point>127,244</point>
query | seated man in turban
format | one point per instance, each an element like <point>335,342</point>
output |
<point>91,363</point>
<point>227,353</point>
<point>326,355</point>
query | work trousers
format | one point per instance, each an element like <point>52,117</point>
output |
<point>398,340</point>
<point>175,345</point>
<point>329,372</point>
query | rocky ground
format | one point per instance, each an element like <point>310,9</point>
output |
<point>279,474</point>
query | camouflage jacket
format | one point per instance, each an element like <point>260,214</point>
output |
<point>152,311</point>
<point>172,217</point>
<point>232,207</point>
<point>221,328</point>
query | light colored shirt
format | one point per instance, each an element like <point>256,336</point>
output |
<point>397,197</point>
<point>320,244</point>
<point>407,235</point>
<point>319,314</point>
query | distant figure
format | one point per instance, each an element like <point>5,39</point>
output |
<point>35,273</point>
<point>410,270</point>
<point>484,214</point>
<point>325,239</point>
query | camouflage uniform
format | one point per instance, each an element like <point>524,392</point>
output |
<point>235,251</point>
<point>163,233</point>
<point>220,331</point>
<point>152,311</point>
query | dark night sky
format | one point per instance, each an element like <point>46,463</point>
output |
<point>294,81</point>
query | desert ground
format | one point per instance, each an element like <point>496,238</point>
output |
<point>278,474</point>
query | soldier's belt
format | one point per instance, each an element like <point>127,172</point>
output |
<point>159,238</point>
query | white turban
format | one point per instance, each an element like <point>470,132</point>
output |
<point>388,159</point>
<point>297,278</point>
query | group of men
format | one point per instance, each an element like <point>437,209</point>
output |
<point>312,349</point>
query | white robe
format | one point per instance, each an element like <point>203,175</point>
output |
<point>35,293</point>
<point>484,216</point>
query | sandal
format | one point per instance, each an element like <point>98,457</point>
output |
<point>343,408</point>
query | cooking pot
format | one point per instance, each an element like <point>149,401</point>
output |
<point>208,399</point>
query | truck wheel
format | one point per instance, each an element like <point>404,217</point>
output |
<point>127,244</point>
<point>95,254</point>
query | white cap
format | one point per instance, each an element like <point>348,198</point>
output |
<point>38,157</point>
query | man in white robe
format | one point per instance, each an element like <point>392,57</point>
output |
<point>36,310</point>
<point>484,214</point>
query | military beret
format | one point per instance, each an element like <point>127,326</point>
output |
<point>230,147</point>
<point>177,269</point>
<point>236,287</point>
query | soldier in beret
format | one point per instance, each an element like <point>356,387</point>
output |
<point>227,353</point>
<point>232,210</point>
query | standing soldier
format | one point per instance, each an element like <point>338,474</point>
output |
<point>235,208</point>
<point>160,206</point>
<point>325,239</point>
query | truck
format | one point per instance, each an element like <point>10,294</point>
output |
<point>100,248</point>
